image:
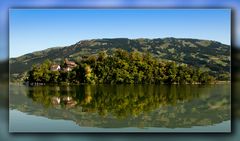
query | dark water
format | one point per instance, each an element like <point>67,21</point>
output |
<point>120,108</point>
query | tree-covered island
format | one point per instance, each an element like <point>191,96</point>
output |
<point>121,67</point>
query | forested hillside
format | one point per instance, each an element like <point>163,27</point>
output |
<point>209,55</point>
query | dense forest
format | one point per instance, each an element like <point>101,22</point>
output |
<point>121,67</point>
<point>210,55</point>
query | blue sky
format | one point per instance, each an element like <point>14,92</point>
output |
<point>38,29</point>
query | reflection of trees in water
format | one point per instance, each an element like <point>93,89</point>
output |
<point>124,101</point>
<point>119,100</point>
<point>53,96</point>
<point>135,105</point>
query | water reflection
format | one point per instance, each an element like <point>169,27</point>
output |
<point>115,106</point>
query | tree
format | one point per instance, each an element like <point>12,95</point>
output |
<point>121,67</point>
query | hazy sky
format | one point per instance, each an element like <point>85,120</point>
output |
<point>33,30</point>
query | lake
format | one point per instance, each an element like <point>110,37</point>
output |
<point>120,108</point>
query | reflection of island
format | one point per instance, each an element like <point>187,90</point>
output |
<point>128,105</point>
<point>67,100</point>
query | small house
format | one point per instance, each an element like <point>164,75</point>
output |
<point>55,67</point>
<point>69,65</point>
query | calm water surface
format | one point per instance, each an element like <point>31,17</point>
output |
<point>120,108</point>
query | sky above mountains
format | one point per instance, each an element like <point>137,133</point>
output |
<point>38,29</point>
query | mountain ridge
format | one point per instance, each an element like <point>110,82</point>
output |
<point>212,55</point>
<point>58,47</point>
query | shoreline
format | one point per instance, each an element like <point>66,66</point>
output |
<point>73,84</point>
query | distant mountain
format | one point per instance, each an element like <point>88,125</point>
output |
<point>213,56</point>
